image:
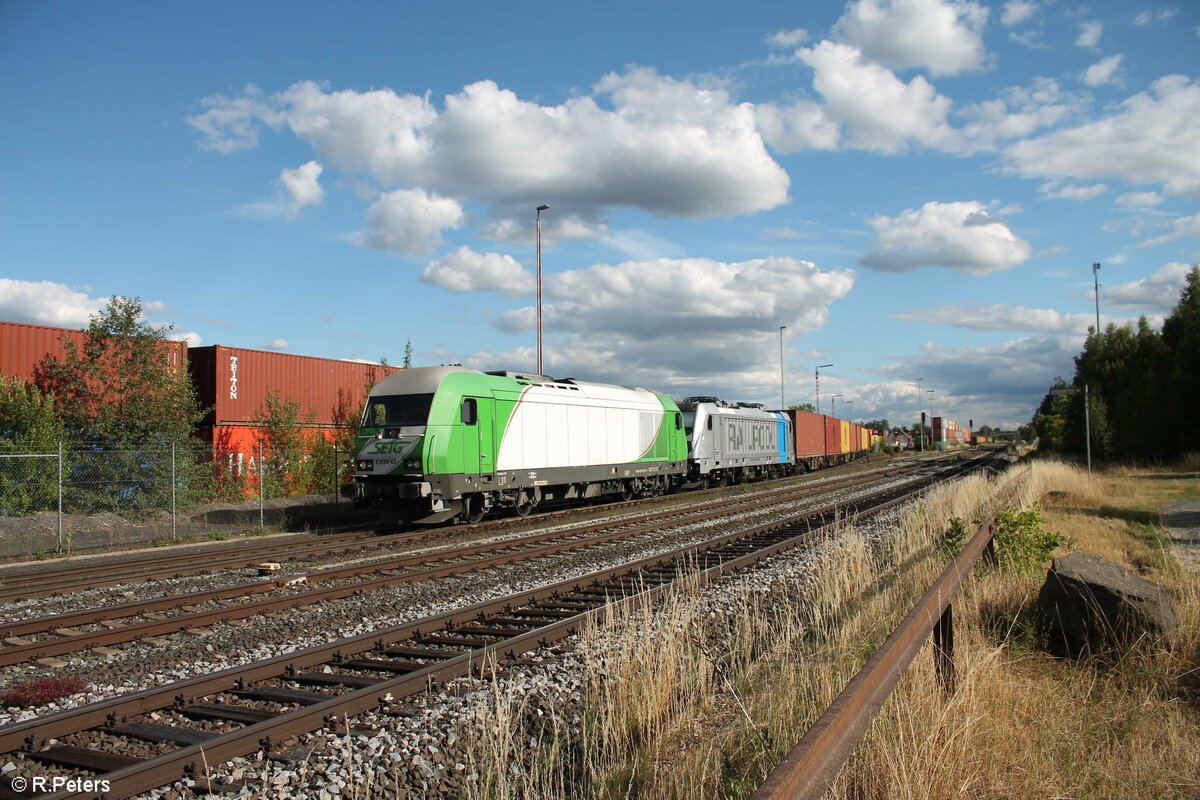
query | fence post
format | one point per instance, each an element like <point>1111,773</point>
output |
<point>173,491</point>
<point>943,650</point>
<point>262,487</point>
<point>61,543</point>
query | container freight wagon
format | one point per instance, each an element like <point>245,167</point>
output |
<point>728,444</point>
<point>810,451</point>
<point>439,443</point>
<point>234,382</point>
<point>22,346</point>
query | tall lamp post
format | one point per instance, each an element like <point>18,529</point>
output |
<point>817,380</point>
<point>782,406</point>
<point>540,209</point>
<point>833,404</point>
<point>931,440</point>
<point>921,438</point>
<point>1096,278</point>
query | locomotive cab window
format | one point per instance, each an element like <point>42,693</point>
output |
<point>397,410</point>
<point>470,411</point>
<point>678,421</point>
<point>710,422</point>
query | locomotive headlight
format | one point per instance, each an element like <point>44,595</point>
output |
<point>412,464</point>
<point>365,465</point>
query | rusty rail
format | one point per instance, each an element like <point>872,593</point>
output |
<point>809,769</point>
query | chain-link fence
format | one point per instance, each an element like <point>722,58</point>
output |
<point>67,499</point>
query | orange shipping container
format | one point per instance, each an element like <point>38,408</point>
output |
<point>22,346</point>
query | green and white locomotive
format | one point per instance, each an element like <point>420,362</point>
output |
<point>440,443</point>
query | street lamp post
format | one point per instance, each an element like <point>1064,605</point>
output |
<point>921,438</point>
<point>833,404</point>
<point>931,440</point>
<point>540,209</point>
<point>782,406</point>
<point>817,380</point>
<point>1096,278</point>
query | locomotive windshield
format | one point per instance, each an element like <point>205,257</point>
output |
<point>397,410</point>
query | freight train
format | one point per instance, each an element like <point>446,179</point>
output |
<point>452,443</point>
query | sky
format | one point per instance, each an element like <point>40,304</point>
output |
<point>912,189</point>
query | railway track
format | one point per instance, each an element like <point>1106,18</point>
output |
<point>79,630</point>
<point>30,581</point>
<point>176,730</point>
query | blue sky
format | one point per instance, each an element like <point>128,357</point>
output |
<point>914,188</point>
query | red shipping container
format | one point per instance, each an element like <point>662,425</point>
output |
<point>833,436</point>
<point>235,382</point>
<point>22,346</point>
<point>810,434</point>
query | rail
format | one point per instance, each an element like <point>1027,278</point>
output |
<point>810,768</point>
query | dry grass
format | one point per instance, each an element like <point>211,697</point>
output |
<point>697,697</point>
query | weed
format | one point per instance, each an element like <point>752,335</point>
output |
<point>217,536</point>
<point>1022,545</point>
<point>40,691</point>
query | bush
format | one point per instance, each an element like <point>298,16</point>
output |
<point>1021,543</point>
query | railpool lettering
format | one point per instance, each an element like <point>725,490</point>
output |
<point>758,433</point>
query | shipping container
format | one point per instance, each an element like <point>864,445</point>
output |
<point>844,436</point>
<point>833,440</point>
<point>810,437</point>
<point>23,346</point>
<point>236,447</point>
<point>234,382</point>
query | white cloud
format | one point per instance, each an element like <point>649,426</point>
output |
<point>1139,200</point>
<point>784,39</point>
<point>1150,137</point>
<point>1177,229</point>
<point>1016,11</point>
<point>666,146</point>
<point>1057,190</point>
<point>1162,15</point>
<point>302,187</point>
<point>612,322</point>
<point>192,338</point>
<point>991,382</point>
<point>1142,19</point>
<point>802,125</point>
<point>1003,317</point>
<point>880,112</point>
<point>944,37</point>
<point>410,221</point>
<point>1017,112</point>
<point>961,236</point>
<point>1157,293</point>
<point>276,344</point>
<point>464,270</point>
<point>1089,34</point>
<point>46,303</point>
<point>1102,71</point>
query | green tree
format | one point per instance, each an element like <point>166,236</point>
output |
<point>29,424</point>
<point>1181,366</point>
<point>287,447</point>
<point>803,407</point>
<point>125,388</point>
<point>127,405</point>
<point>408,354</point>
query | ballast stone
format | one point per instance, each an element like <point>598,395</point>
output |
<point>1090,605</point>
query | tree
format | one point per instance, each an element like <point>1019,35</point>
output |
<point>408,353</point>
<point>877,425</point>
<point>123,389</point>
<point>1181,365</point>
<point>287,448</point>
<point>803,407</point>
<point>29,424</point>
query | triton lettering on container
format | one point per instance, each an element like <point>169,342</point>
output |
<point>22,346</point>
<point>233,382</point>
<point>442,443</point>
<point>728,444</point>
